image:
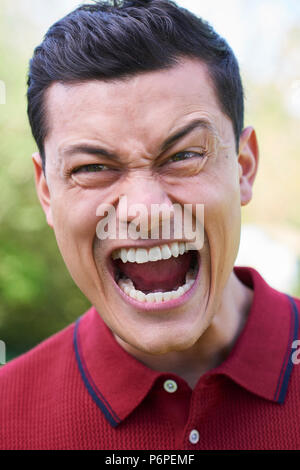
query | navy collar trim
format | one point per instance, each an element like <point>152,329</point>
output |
<point>287,364</point>
<point>93,390</point>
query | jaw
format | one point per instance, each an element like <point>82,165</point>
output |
<point>154,328</point>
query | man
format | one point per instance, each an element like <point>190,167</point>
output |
<point>143,101</point>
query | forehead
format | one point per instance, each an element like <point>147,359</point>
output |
<point>156,101</point>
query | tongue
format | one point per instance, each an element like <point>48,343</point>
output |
<point>157,276</point>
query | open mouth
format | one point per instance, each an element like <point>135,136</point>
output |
<point>159,274</point>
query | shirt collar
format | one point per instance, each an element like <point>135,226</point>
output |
<point>260,360</point>
<point>108,370</point>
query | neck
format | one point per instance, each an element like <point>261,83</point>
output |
<point>215,343</point>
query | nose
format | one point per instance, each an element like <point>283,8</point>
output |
<point>145,206</point>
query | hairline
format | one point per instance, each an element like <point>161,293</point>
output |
<point>178,60</point>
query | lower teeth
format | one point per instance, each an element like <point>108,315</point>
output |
<point>154,297</point>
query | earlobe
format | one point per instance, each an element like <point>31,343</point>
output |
<point>42,188</point>
<point>248,163</point>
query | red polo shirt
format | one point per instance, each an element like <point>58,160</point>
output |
<point>80,390</point>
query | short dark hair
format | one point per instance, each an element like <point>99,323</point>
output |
<point>119,39</point>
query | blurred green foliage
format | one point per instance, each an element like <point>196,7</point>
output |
<point>37,295</point>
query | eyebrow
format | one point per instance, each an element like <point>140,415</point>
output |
<point>169,142</point>
<point>183,132</point>
<point>89,149</point>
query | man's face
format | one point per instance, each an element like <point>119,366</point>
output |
<point>131,121</point>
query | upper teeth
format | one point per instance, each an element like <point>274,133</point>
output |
<point>156,253</point>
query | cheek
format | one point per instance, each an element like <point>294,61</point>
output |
<point>74,221</point>
<point>223,215</point>
<point>220,196</point>
<point>75,225</point>
<point>223,222</point>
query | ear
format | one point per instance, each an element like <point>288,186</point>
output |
<point>42,187</point>
<point>248,163</point>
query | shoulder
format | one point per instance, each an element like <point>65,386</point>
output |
<point>295,301</point>
<point>43,396</point>
<point>40,358</point>
<point>264,292</point>
<point>30,382</point>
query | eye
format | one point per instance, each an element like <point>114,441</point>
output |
<point>91,168</point>
<point>186,156</point>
